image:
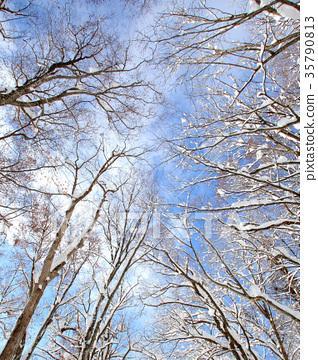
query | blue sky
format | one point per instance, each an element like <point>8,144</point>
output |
<point>167,120</point>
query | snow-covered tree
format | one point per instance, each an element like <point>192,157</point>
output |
<point>71,101</point>
<point>83,262</point>
<point>232,288</point>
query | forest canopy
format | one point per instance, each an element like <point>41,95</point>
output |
<point>149,179</point>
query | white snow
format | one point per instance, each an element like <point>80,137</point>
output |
<point>259,154</point>
<point>60,259</point>
<point>253,5</point>
<point>288,11</point>
<point>211,312</point>
<point>6,79</point>
<point>284,10</point>
<point>220,192</point>
<point>282,159</point>
<point>285,309</point>
<point>254,202</point>
<point>285,121</point>
<point>263,226</point>
<point>254,291</point>
<point>283,251</point>
<point>36,276</point>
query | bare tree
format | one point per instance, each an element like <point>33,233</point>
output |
<point>76,214</point>
<point>71,100</point>
<point>232,287</point>
<point>46,261</point>
<point>90,322</point>
<point>63,83</point>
